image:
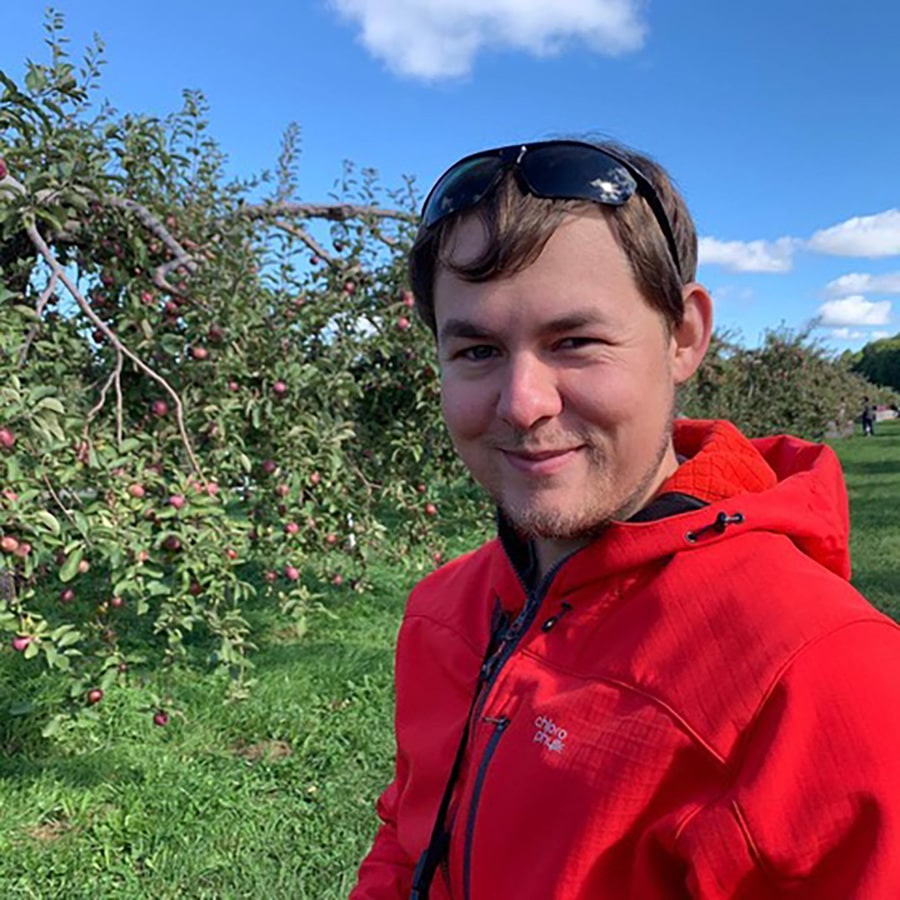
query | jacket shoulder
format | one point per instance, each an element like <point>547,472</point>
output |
<point>724,624</point>
<point>461,594</point>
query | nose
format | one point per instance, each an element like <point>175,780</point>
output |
<point>529,393</point>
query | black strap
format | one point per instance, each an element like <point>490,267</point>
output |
<point>440,838</point>
<point>439,843</point>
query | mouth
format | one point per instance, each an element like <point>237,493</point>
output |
<point>543,462</point>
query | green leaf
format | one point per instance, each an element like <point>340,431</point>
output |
<point>70,567</point>
<point>67,640</point>
<point>52,727</point>
<point>52,404</point>
<point>49,521</point>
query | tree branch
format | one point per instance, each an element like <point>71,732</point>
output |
<point>113,338</point>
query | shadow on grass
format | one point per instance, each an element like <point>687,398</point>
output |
<point>881,588</point>
<point>91,770</point>
<point>322,659</point>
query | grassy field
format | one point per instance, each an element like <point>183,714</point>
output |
<point>272,796</point>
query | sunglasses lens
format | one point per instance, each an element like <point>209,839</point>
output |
<point>577,173</point>
<point>460,188</point>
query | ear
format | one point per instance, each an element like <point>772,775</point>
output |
<point>691,338</point>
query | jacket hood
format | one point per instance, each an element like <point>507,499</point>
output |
<point>781,485</point>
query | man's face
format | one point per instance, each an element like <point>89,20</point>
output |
<point>557,383</point>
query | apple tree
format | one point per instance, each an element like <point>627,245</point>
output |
<point>213,394</point>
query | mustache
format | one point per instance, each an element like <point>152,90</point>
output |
<point>529,443</point>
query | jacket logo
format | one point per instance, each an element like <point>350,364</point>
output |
<point>550,734</point>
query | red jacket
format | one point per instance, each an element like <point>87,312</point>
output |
<point>697,705</point>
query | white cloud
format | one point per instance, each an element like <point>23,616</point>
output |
<point>855,311</point>
<point>848,334</point>
<point>869,236</point>
<point>748,256</point>
<point>879,335</point>
<point>862,283</point>
<point>432,39</point>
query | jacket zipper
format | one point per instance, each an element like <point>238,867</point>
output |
<point>500,724</point>
<point>490,670</point>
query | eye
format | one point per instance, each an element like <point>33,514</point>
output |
<point>478,352</point>
<point>575,343</point>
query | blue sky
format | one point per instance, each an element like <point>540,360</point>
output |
<point>779,120</point>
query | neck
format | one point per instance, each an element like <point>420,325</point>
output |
<point>549,551</point>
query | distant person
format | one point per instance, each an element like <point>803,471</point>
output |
<point>868,418</point>
<point>657,681</point>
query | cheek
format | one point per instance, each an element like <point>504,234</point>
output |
<point>465,409</point>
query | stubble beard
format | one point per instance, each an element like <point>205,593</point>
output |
<point>532,522</point>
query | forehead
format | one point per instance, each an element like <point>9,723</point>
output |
<point>581,276</point>
<point>581,258</point>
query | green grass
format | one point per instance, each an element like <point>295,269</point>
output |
<point>271,796</point>
<point>872,469</point>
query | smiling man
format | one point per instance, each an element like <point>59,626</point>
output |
<point>657,681</point>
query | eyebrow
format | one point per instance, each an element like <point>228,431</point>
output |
<point>465,328</point>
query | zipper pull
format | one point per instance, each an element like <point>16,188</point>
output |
<point>499,722</point>
<point>551,622</point>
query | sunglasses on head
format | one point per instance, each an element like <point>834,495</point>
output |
<point>556,170</point>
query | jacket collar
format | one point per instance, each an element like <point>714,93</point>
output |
<point>718,463</point>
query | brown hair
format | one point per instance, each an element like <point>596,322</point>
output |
<point>518,225</point>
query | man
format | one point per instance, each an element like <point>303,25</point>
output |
<point>657,681</point>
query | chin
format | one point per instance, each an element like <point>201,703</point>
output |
<point>555,525</point>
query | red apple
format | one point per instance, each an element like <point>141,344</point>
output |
<point>215,334</point>
<point>147,298</point>
<point>161,718</point>
<point>338,580</point>
<point>7,439</point>
<point>95,695</point>
<point>331,538</point>
<point>231,553</point>
<point>212,488</point>
<point>408,300</point>
<point>315,478</point>
<point>291,573</point>
<point>3,170</point>
<point>20,642</point>
<point>116,602</point>
<point>430,509</point>
<point>279,388</point>
<point>200,353</point>
<point>23,550</point>
<point>233,386</point>
<point>171,309</point>
<point>282,490</point>
<point>83,566</point>
<point>196,589</point>
<point>66,595</point>
<point>137,491</point>
<point>270,576</point>
<point>177,501</point>
<point>291,528</point>
<point>159,408</point>
<point>171,543</point>
<point>403,323</point>
<point>269,466</point>
<point>8,544</point>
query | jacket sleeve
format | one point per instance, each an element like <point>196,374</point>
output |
<point>386,872</point>
<point>813,807</point>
